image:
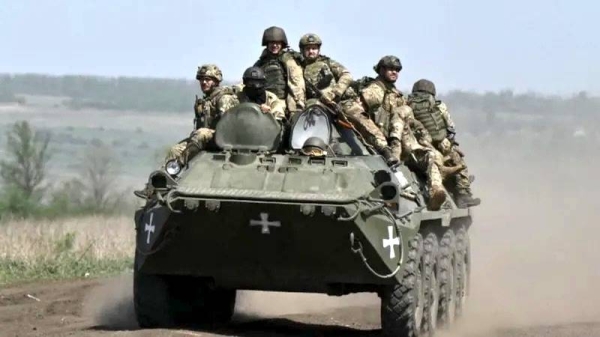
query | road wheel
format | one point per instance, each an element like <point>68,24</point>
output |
<point>463,275</point>
<point>446,266</point>
<point>402,304</point>
<point>430,284</point>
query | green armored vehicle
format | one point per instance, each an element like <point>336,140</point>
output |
<point>309,209</point>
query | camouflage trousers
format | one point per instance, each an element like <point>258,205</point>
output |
<point>200,138</point>
<point>427,162</point>
<point>452,156</point>
<point>364,124</point>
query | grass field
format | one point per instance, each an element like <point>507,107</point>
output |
<point>72,248</point>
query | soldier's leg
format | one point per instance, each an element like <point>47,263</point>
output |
<point>197,143</point>
<point>462,184</point>
<point>424,162</point>
<point>175,151</point>
<point>367,129</point>
<point>437,195</point>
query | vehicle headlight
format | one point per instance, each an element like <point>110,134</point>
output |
<point>173,167</point>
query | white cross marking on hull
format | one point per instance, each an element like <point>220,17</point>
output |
<point>265,223</point>
<point>149,227</point>
<point>391,242</point>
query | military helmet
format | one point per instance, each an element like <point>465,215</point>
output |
<point>388,61</point>
<point>424,86</point>
<point>254,76</point>
<point>314,146</point>
<point>308,39</point>
<point>209,70</point>
<point>274,34</point>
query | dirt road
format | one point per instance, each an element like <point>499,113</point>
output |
<point>102,308</point>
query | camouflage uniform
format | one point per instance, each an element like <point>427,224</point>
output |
<point>400,126</point>
<point>327,75</point>
<point>283,73</point>
<point>386,105</point>
<point>208,110</point>
<point>332,80</point>
<point>203,136</point>
<point>435,118</point>
<point>276,105</point>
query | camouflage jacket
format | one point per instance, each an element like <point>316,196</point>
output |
<point>211,107</point>
<point>276,104</point>
<point>380,94</point>
<point>294,79</point>
<point>445,114</point>
<point>329,76</point>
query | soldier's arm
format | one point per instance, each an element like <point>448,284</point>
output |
<point>372,97</point>
<point>342,76</point>
<point>396,125</point>
<point>446,115</point>
<point>296,81</point>
<point>277,108</point>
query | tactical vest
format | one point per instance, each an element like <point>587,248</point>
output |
<point>206,108</point>
<point>275,73</point>
<point>425,110</point>
<point>319,73</point>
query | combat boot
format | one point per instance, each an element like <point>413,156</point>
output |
<point>389,156</point>
<point>437,197</point>
<point>466,200</point>
<point>144,193</point>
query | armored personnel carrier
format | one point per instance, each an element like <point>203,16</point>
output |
<point>314,211</point>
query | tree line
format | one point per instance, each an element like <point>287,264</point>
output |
<point>170,95</point>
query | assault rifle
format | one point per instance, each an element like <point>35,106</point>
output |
<point>334,108</point>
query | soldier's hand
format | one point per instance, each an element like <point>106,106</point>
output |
<point>265,108</point>
<point>328,97</point>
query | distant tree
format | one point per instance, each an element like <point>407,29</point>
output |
<point>27,156</point>
<point>99,170</point>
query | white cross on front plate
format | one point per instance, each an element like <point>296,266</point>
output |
<point>265,223</point>
<point>149,227</point>
<point>391,242</point>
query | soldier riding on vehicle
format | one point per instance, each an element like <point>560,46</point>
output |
<point>282,72</point>
<point>328,80</point>
<point>434,116</point>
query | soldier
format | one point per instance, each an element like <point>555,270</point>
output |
<point>387,106</point>
<point>327,75</point>
<point>208,109</point>
<point>328,81</point>
<point>283,74</point>
<point>254,91</point>
<point>434,116</point>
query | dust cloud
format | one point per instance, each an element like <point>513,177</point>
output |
<point>534,245</point>
<point>535,241</point>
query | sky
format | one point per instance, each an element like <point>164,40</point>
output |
<point>547,46</point>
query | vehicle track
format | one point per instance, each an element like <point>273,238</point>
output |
<point>60,309</point>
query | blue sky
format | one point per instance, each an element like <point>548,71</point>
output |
<point>547,46</point>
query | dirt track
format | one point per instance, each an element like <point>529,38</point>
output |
<point>63,310</point>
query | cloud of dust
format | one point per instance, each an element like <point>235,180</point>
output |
<point>534,241</point>
<point>111,304</point>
